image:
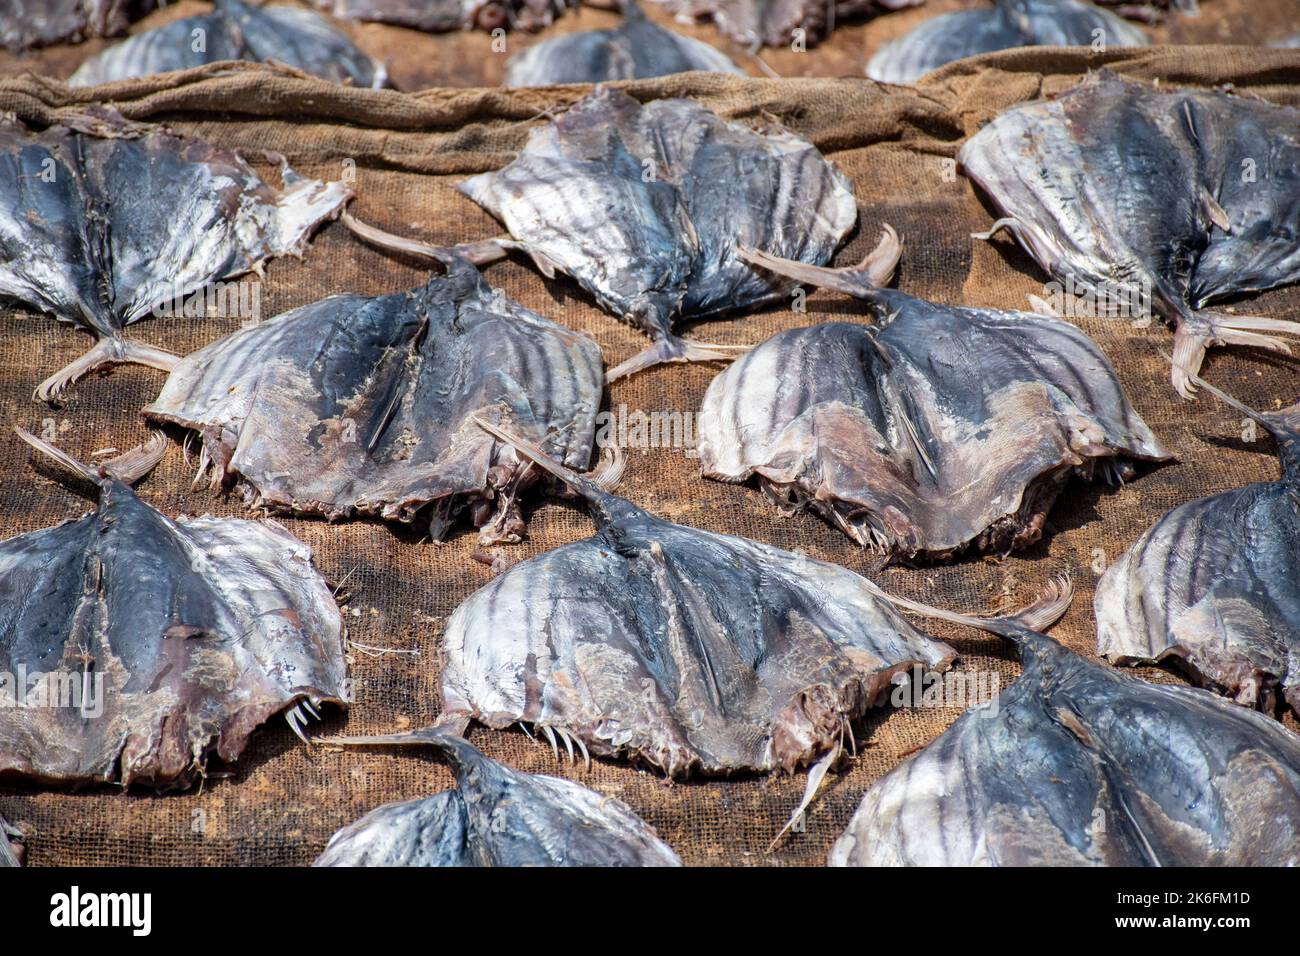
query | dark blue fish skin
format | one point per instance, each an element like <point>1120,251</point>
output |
<point>497,816</point>
<point>235,30</point>
<point>1078,764</point>
<point>33,23</point>
<point>1009,23</point>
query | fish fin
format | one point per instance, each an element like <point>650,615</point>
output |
<point>476,253</point>
<point>876,268</point>
<point>59,455</point>
<point>674,349</point>
<point>1217,214</point>
<point>609,472</point>
<point>1009,223</point>
<point>104,352</point>
<point>1040,306</point>
<point>1197,333</point>
<point>1045,610</point>
<point>581,483</point>
<point>816,774</point>
<point>130,466</point>
<point>1279,423</point>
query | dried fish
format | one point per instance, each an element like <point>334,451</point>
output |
<point>364,405</point>
<point>638,48</point>
<point>644,204</point>
<point>31,23</point>
<point>495,817</point>
<point>756,23</point>
<point>1008,23</point>
<point>685,649</point>
<point>1169,199</point>
<point>1212,584</point>
<point>933,429</point>
<point>10,852</point>
<point>139,644</point>
<point>438,16</point>
<point>102,221</point>
<point>234,30</point>
<point>1079,764</point>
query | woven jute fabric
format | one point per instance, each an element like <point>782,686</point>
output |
<point>281,802</point>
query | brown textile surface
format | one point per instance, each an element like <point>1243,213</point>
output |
<point>280,803</point>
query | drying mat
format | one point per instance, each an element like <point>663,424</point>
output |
<point>417,61</point>
<point>280,804</point>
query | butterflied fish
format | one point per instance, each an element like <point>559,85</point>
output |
<point>636,49</point>
<point>103,221</point>
<point>495,817</point>
<point>686,650</point>
<point>437,16</point>
<point>1212,584</point>
<point>1172,199</point>
<point>144,643</point>
<point>10,850</point>
<point>932,429</point>
<point>644,204</point>
<point>756,23</point>
<point>235,30</point>
<point>1008,23</point>
<point>1079,764</point>
<point>359,404</point>
<point>30,23</point>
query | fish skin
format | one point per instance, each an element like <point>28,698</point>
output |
<point>663,250</point>
<point>10,853</point>
<point>497,816</point>
<point>363,405</point>
<point>102,219</point>
<point>757,23</point>
<point>1211,586</point>
<point>202,628</point>
<point>681,648</point>
<point>635,50</point>
<point>1146,216</point>
<point>438,16</point>
<point>235,30</point>
<point>933,430</point>
<point>1080,764</point>
<point>1009,23</point>
<point>31,23</point>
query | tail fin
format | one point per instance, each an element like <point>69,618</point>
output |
<point>872,272</point>
<point>447,736</point>
<point>1280,424</point>
<point>1036,617</point>
<point>128,467</point>
<point>590,487</point>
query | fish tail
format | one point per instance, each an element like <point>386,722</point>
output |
<point>1037,616</point>
<point>876,268</point>
<point>1281,424</point>
<point>1201,330</point>
<point>107,351</point>
<point>671,348</point>
<point>590,487</point>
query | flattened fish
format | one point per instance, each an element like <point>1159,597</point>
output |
<point>103,220</point>
<point>1176,198</point>
<point>933,429</point>
<point>756,23</point>
<point>1009,23</point>
<point>234,30</point>
<point>438,16</point>
<point>644,204</point>
<point>365,405</point>
<point>10,852</point>
<point>1078,764</point>
<point>1213,586</point>
<point>31,23</point>
<point>496,817</point>
<point>685,649</point>
<point>145,643</point>
<point>638,48</point>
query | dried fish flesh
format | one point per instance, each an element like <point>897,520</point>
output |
<point>137,644</point>
<point>932,429</point>
<point>103,220</point>
<point>438,16</point>
<point>496,817</point>
<point>31,23</point>
<point>756,23</point>
<point>1173,198</point>
<point>10,852</point>
<point>1009,23</point>
<point>1080,764</point>
<point>638,48</point>
<point>644,204</point>
<point>685,649</point>
<point>1212,584</point>
<point>359,404</point>
<point>234,30</point>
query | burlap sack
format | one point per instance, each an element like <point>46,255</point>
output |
<point>280,804</point>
